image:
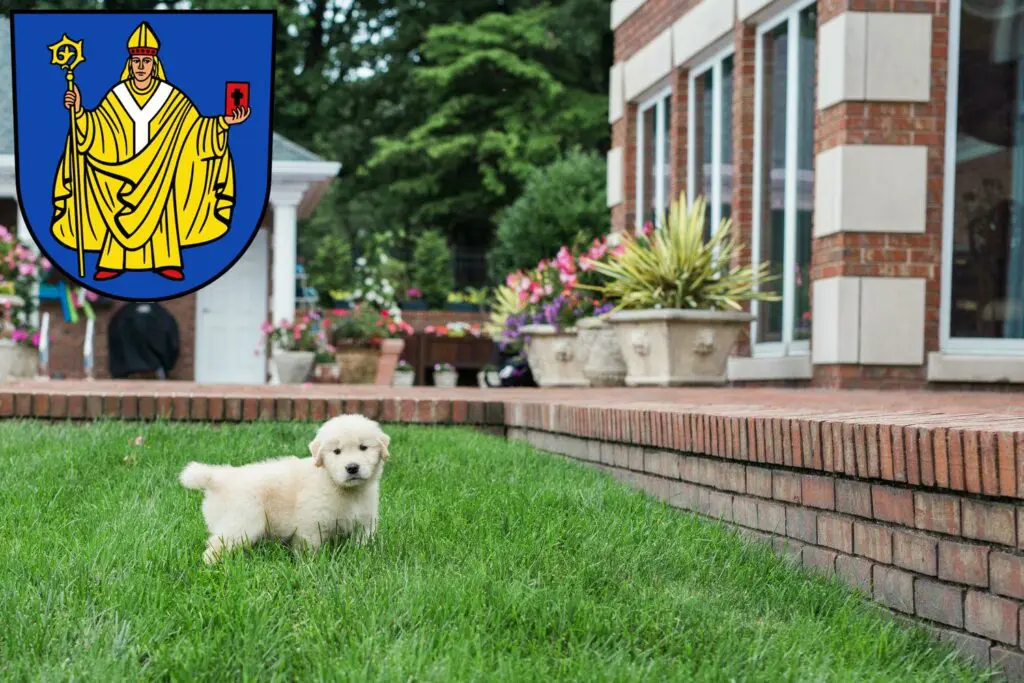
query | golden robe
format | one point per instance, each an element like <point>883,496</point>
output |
<point>154,177</point>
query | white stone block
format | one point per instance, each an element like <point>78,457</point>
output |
<point>649,65</point>
<point>616,93</point>
<point>835,321</point>
<point>842,42</point>
<point>616,180</point>
<point>898,57</point>
<point>700,27</point>
<point>622,9</point>
<point>892,317</point>
<point>871,188</point>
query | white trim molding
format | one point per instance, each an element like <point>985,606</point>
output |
<point>944,367</point>
<point>658,103</point>
<point>615,179</point>
<point>616,92</point>
<point>990,353</point>
<point>793,181</point>
<point>769,369</point>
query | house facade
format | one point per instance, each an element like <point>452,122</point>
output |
<point>873,153</point>
<point>219,325</point>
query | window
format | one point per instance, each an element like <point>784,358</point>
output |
<point>710,139</point>
<point>653,158</point>
<point>784,177</point>
<point>983,240</point>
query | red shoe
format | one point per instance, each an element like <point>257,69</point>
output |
<point>172,273</point>
<point>104,274</point>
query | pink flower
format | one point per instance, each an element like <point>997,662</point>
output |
<point>45,264</point>
<point>647,229</point>
<point>26,269</point>
<point>5,234</point>
<point>138,440</point>
<point>89,296</point>
<point>266,327</point>
<point>18,336</point>
<point>430,329</point>
<point>564,261</point>
<point>35,339</point>
<point>585,263</point>
<point>298,333</point>
<point>413,293</point>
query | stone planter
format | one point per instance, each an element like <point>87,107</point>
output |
<point>553,356</point>
<point>390,351</point>
<point>406,378</point>
<point>447,379</point>
<point>293,367</point>
<point>358,365</point>
<point>488,379</point>
<point>17,361</point>
<point>675,347</point>
<point>598,343</point>
<point>326,373</point>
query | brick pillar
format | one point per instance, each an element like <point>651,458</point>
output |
<point>624,218</point>
<point>743,134</point>
<point>878,194</point>
<point>678,132</point>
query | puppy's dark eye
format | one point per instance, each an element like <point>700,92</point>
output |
<point>362,447</point>
<point>337,451</point>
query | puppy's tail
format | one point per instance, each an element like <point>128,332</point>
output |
<point>196,475</point>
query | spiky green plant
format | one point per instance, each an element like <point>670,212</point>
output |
<point>505,303</point>
<point>673,267</point>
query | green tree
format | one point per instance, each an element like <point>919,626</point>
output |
<point>562,204</point>
<point>432,268</point>
<point>502,100</point>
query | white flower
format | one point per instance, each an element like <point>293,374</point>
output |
<point>383,258</point>
<point>360,261</point>
<point>614,239</point>
<point>368,282</point>
<point>388,289</point>
<point>358,294</point>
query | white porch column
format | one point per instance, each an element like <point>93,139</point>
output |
<point>284,200</point>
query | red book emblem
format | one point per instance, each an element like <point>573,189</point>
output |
<point>236,94</point>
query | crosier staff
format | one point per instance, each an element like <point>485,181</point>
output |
<point>67,54</point>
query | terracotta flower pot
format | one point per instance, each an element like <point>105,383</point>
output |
<point>358,365</point>
<point>390,351</point>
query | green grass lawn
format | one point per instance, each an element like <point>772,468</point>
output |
<point>494,562</point>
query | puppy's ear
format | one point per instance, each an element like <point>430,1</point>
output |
<point>314,450</point>
<point>384,441</point>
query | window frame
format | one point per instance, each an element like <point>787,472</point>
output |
<point>656,101</point>
<point>713,64</point>
<point>791,17</point>
<point>966,346</point>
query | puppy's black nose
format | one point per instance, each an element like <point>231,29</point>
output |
<point>352,469</point>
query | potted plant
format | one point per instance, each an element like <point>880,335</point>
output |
<point>445,375</point>
<point>488,376</point>
<point>392,331</point>
<point>21,269</point>
<point>355,336</point>
<point>598,343</point>
<point>325,366</point>
<point>678,312</point>
<point>294,345</point>
<point>405,374</point>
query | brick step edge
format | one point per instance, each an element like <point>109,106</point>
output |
<point>984,457</point>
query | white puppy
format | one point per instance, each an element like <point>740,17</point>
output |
<point>302,501</point>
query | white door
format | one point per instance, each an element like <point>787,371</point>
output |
<point>229,312</point>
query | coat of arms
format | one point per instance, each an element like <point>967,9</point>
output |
<point>143,149</point>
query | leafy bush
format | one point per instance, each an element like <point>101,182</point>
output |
<point>432,268</point>
<point>331,266</point>
<point>562,204</point>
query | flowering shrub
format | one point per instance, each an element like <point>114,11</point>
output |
<point>443,367</point>
<point>21,268</point>
<point>455,329</point>
<point>296,335</point>
<point>413,294</point>
<point>364,327</point>
<point>404,366</point>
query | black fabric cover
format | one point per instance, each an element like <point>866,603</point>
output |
<point>142,337</point>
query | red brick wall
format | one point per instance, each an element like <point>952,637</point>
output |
<point>66,340</point>
<point>845,254</point>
